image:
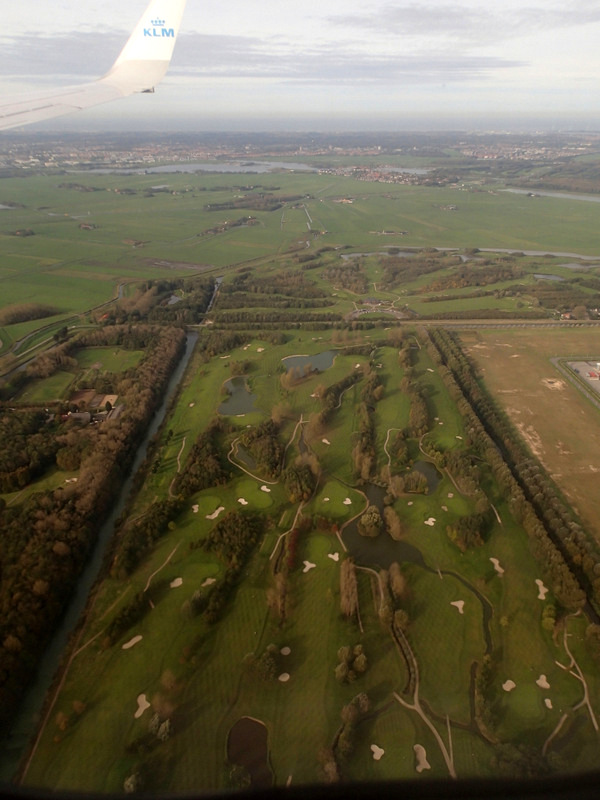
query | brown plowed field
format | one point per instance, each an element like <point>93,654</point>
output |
<point>561,427</point>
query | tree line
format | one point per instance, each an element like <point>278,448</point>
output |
<point>567,556</point>
<point>47,535</point>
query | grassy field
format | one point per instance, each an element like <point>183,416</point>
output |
<point>89,245</point>
<point>132,229</point>
<point>199,674</point>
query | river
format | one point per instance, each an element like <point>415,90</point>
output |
<point>590,198</point>
<point>235,167</point>
<point>27,719</point>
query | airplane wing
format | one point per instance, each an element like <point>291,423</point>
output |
<point>140,66</point>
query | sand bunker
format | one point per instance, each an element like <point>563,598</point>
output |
<point>215,513</point>
<point>508,686</point>
<point>421,754</point>
<point>497,566</point>
<point>143,704</point>
<point>459,437</point>
<point>260,349</point>
<point>553,383</point>
<point>308,566</point>
<point>176,582</point>
<point>377,752</point>
<point>429,369</point>
<point>460,604</point>
<point>325,499</point>
<point>347,502</point>
<point>208,582</point>
<point>542,588</point>
<point>195,508</point>
<point>450,495</point>
<point>242,501</point>
<point>285,651</point>
<point>191,405</point>
<point>132,642</point>
<point>357,366</point>
<point>440,423</point>
<point>444,508</point>
<point>333,556</point>
<point>430,522</point>
<point>542,682</point>
<point>548,703</point>
<point>265,489</point>
<point>284,677</point>
<point>225,356</point>
<point>325,441</point>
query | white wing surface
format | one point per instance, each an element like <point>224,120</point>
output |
<point>140,66</point>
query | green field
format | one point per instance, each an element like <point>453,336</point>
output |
<point>198,674</point>
<point>464,612</point>
<point>144,235</point>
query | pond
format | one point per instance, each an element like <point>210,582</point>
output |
<point>431,472</point>
<point>240,400</point>
<point>319,362</point>
<point>248,747</point>
<point>546,276</point>
<point>382,550</point>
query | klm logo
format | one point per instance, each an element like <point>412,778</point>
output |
<point>158,30</point>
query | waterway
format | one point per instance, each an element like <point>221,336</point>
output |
<point>29,714</point>
<point>533,193</point>
<point>257,167</point>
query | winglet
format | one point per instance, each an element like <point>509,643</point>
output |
<point>145,58</point>
<point>140,66</point>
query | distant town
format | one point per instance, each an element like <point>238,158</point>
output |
<point>30,151</point>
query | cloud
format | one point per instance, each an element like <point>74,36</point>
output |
<point>84,54</point>
<point>467,24</point>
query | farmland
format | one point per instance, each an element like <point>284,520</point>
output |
<point>518,368</point>
<point>341,559</point>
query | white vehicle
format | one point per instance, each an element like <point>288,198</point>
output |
<point>140,66</point>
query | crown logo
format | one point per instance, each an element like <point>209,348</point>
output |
<point>157,22</point>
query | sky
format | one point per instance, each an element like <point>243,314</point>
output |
<point>324,64</point>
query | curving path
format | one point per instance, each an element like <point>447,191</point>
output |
<point>447,752</point>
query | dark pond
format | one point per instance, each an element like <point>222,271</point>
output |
<point>320,361</point>
<point>247,746</point>
<point>244,456</point>
<point>431,473</point>
<point>240,400</point>
<point>382,550</point>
